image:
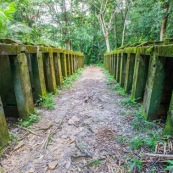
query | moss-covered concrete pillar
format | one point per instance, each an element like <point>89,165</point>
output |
<point>169,121</point>
<point>63,64</point>
<point>4,135</point>
<point>113,71</point>
<point>57,66</point>
<point>38,74</point>
<point>22,85</point>
<point>68,64</point>
<point>123,68</point>
<point>72,63</point>
<point>129,72</point>
<point>77,62</point>
<point>107,61</point>
<point>112,64</point>
<point>49,72</point>
<point>6,87</point>
<point>118,67</point>
<point>140,77</point>
<point>154,87</point>
<point>115,65</point>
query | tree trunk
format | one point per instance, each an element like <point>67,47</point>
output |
<point>107,41</point>
<point>164,21</point>
<point>115,35</point>
<point>68,44</point>
<point>123,33</point>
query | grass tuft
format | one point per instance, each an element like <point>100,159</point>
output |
<point>47,101</point>
<point>67,82</point>
<point>33,118</point>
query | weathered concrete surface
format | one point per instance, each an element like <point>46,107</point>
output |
<point>169,121</point>
<point>118,67</point>
<point>4,135</point>
<point>49,72</point>
<point>63,65</point>
<point>6,87</point>
<point>140,77</point>
<point>22,85</point>
<point>68,64</point>
<point>57,66</point>
<point>154,87</point>
<point>38,75</point>
<point>123,68</point>
<point>129,72</point>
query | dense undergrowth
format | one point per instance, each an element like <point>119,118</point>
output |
<point>148,137</point>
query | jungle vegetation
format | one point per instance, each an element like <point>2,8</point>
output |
<point>91,27</point>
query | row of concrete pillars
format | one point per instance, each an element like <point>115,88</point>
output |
<point>28,73</point>
<point>146,72</point>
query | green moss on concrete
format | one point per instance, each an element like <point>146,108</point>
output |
<point>154,87</point>
<point>4,135</point>
<point>169,122</point>
<point>150,49</point>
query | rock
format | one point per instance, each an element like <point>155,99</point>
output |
<point>47,126</point>
<point>52,165</point>
<point>31,170</point>
<point>68,164</point>
<point>73,120</point>
<point>64,136</point>
<point>2,170</point>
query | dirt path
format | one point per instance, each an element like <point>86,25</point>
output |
<point>83,132</point>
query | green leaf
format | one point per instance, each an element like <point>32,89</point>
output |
<point>11,9</point>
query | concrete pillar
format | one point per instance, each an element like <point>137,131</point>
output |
<point>169,121</point>
<point>68,64</point>
<point>63,64</point>
<point>72,63</point>
<point>115,65</point>
<point>4,135</point>
<point>129,72</point>
<point>123,68</point>
<point>154,87</point>
<point>22,85</point>
<point>140,77</point>
<point>38,74</point>
<point>6,87</point>
<point>49,72</point>
<point>57,66</point>
<point>118,67</point>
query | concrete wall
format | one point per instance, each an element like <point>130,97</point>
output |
<point>146,71</point>
<point>27,73</point>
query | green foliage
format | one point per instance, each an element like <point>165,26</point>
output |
<point>129,103</point>
<point>33,118</point>
<point>117,87</point>
<point>6,16</point>
<point>47,101</point>
<point>136,165</point>
<point>140,119</point>
<point>122,139</point>
<point>110,79</point>
<point>95,163</point>
<point>136,142</point>
<point>170,166</point>
<point>119,90</point>
<point>67,82</point>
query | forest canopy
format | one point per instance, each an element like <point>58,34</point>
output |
<point>91,27</point>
